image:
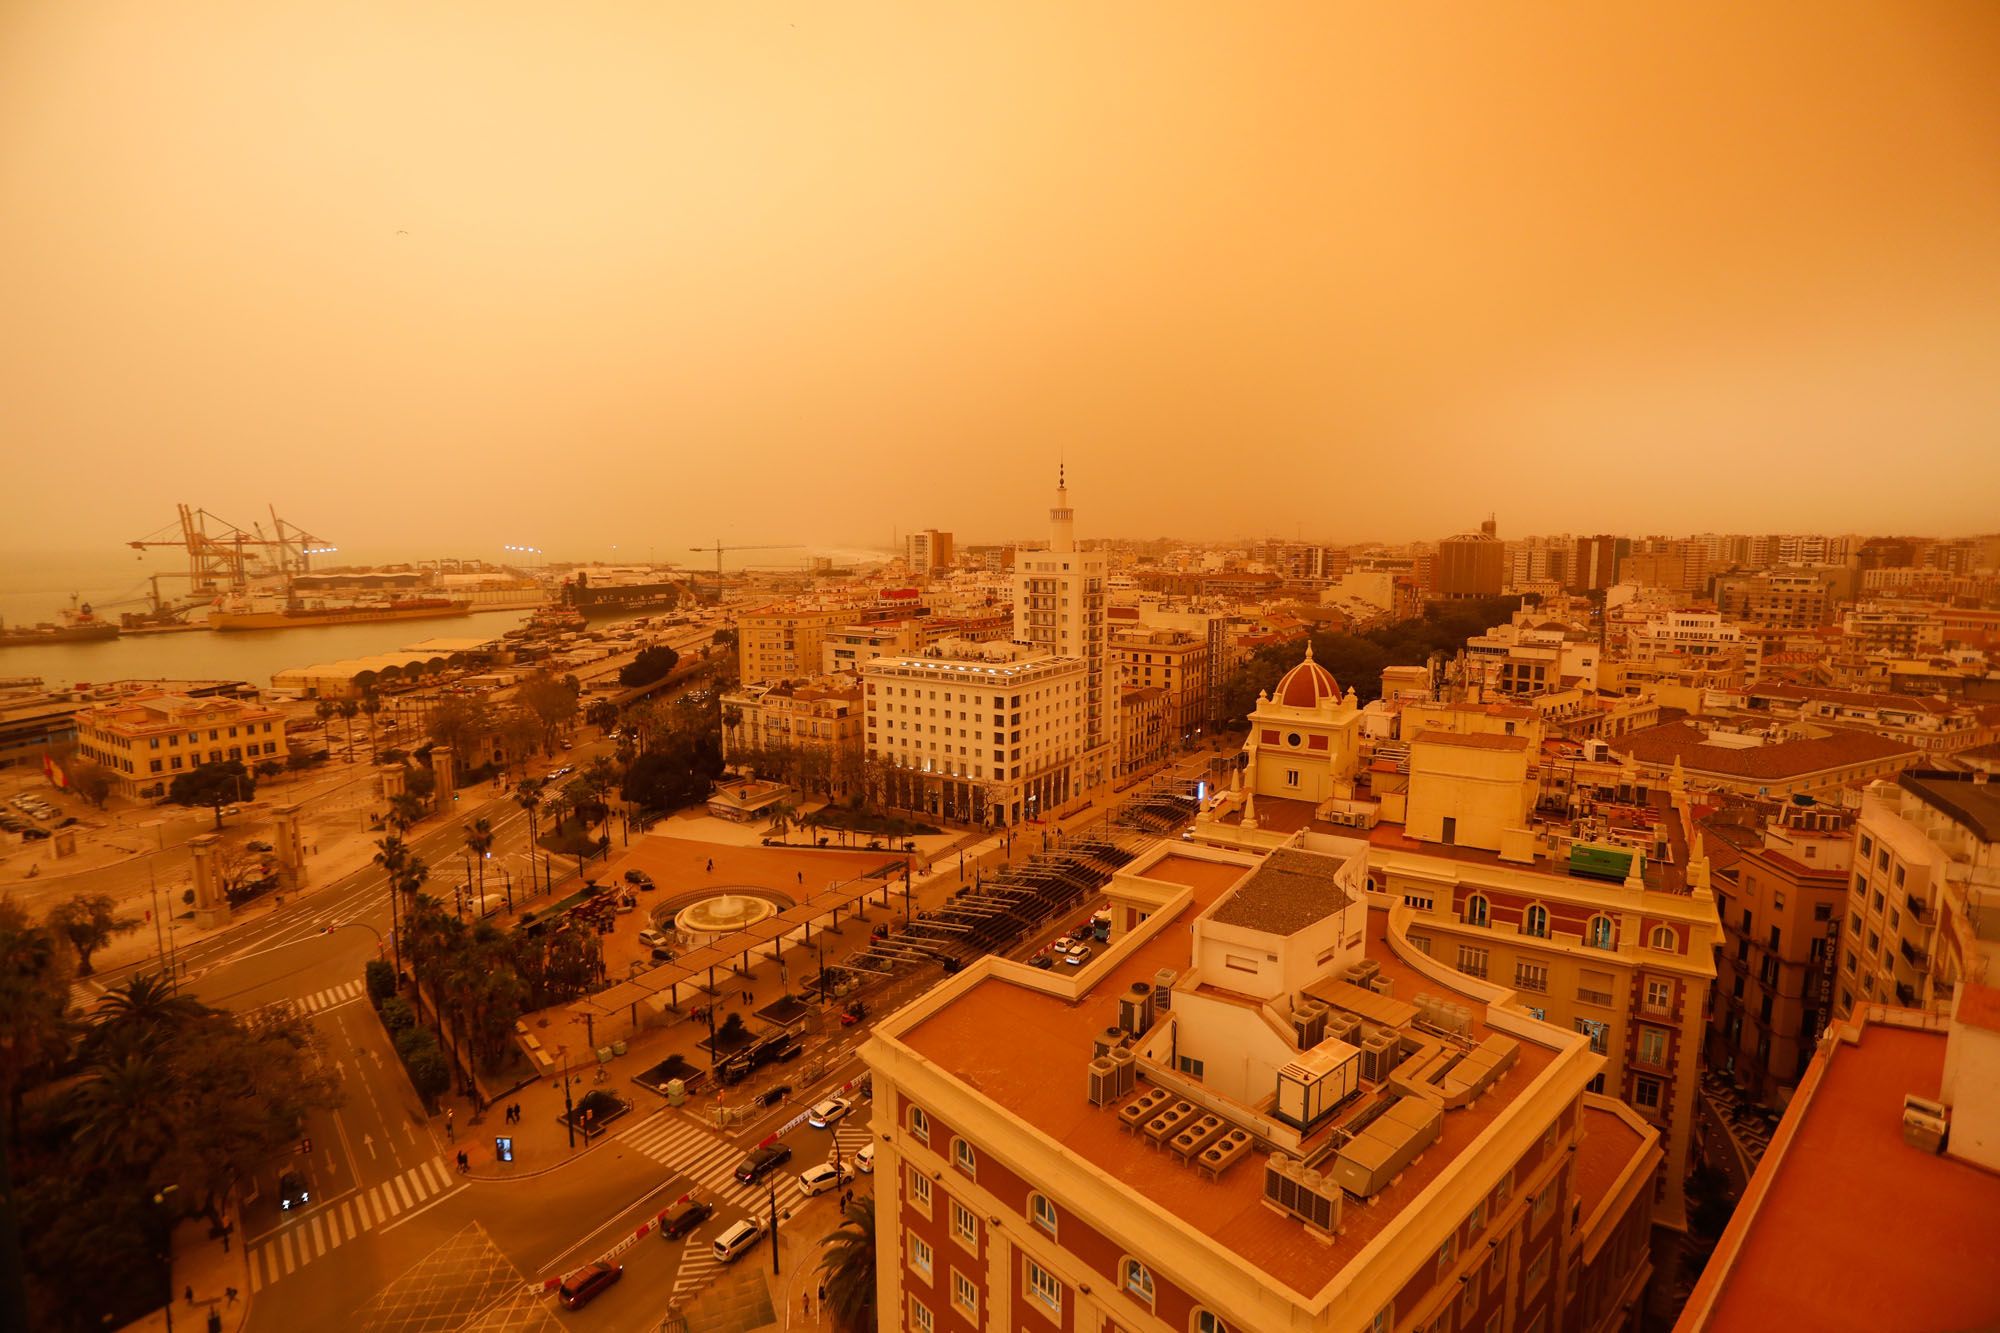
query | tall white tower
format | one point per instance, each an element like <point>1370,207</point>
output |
<point>1059,606</point>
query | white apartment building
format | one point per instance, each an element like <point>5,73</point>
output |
<point>1060,598</point>
<point>983,733</point>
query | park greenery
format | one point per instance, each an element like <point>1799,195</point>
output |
<point>116,1124</point>
<point>649,665</point>
<point>1357,660</point>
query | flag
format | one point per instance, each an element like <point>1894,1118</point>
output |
<point>53,771</point>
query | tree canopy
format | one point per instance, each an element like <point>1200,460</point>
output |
<point>650,665</point>
<point>213,785</point>
<point>87,922</point>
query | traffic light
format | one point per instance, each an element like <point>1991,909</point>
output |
<point>305,1147</point>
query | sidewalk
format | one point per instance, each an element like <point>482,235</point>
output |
<point>201,1265</point>
<point>749,1298</point>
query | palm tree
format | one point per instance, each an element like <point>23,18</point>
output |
<point>393,858</point>
<point>528,795</point>
<point>146,1009</point>
<point>849,1265</point>
<point>34,990</point>
<point>324,709</point>
<point>371,704</point>
<point>405,809</point>
<point>479,838</point>
<point>781,818</point>
<point>348,708</point>
<point>118,1113</point>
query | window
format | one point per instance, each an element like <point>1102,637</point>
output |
<point>1531,976</point>
<point>964,1295</point>
<point>1602,933</point>
<point>1538,1272</point>
<point>1653,1046</point>
<point>1475,1219</point>
<point>1535,922</point>
<point>1447,1252</point>
<point>1476,910</point>
<point>920,1125</point>
<point>964,1226</point>
<point>964,1158</point>
<point>1138,1281</point>
<point>1043,1212</point>
<point>1599,1034</point>
<point>1421,943</point>
<point>920,1191</point>
<point>1665,940</point>
<point>1190,1066</point>
<point>1291,777</point>
<point>1204,1322</point>
<point>920,1255</point>
<point>1646,1093</point>
<point>920,1317</point>
<point>1659,995</point>
<point>1471,961</point>
<point>1043,1287</point>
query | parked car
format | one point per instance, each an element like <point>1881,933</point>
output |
<point>740,1236</point>
<point>664,955</point>
<point>829,1113</point>
<point>33,834</point>
<point>1063,945</point>
<point>259,846</point>
<point>864,1159</point>
<point>1042,960</point>
<point>761,1162</point>
<point>1078,956</point>
<point>587,1283</point>
<point>819,1179</point>
<point>639,877</point>
<point>684,1217</point>
<point>652,939</point>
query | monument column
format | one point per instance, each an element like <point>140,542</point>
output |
<point>444,768</point>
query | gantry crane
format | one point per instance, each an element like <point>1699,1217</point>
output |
<point>219,561</point>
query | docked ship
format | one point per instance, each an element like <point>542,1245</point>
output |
<point>78,624</point>
<point>248,613</point>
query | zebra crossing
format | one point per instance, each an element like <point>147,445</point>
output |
<point>710,1162</point>
<point>310,1237</point>
<point>319,1001</point>
<point>84,995</point>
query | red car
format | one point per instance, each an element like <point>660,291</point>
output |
<point>585,1284</point>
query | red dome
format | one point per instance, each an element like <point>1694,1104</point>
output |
<point>1306,684</point>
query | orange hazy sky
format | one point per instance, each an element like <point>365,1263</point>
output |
<point>438,276</point>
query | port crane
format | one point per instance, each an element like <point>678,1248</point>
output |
<point>719,548</point>
<point>220,558</point>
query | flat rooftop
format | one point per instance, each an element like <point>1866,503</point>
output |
<point>1855,1228</point>
<point>1038,1076</point>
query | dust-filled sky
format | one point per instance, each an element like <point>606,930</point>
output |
<point>437,277</point>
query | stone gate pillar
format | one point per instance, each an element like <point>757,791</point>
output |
<point>443,766</point>
<point>291,847</point>
<point>211,906</point>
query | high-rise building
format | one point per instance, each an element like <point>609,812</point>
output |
<point>1061,595</point>
<point>1596,564</point>
<point>928,552</point>
<point>1472,564</point>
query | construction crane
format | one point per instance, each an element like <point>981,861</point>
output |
<point>219,560</point>
<point>719,548</point>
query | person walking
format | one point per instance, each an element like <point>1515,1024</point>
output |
<point>230,1293</point>
<point>189,1293</point>
<point>450,1114</point>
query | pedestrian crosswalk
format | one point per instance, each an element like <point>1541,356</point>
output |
<point>312,1234</point>
<point>83,995</point>
<point>710,1162</point>
<point>330,998</point>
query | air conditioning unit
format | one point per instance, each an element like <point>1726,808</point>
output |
<point>1309,1024</point>
<point>1103,1082</point>
<point>1380,1055</point>
<point>1363,972</point>
<point>1135,1009</point>
<point>1163,989</point>
<point>1124,1069</point>
<point>1382,985</point>
<point>1107,1041</point>
<point>1926,1124</point>
<point>1344,1027</point>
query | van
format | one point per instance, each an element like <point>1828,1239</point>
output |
<point>739,1237</point>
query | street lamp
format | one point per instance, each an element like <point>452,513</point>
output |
<point>160,1200</point>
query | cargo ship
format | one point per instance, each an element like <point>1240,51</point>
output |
<point>79,624</point>
<point>251,614</point>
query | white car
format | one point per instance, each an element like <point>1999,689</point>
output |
<point>829,1113</point>
<point>864,1159</point>
<point>652,939</point>
<point>819,1179</point>
<point>1063,945</point>
<point>740,1236</point>
<point>1078,956</point>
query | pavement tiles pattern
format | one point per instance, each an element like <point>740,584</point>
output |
<point>311,1236</point>
<point>460,1281</point>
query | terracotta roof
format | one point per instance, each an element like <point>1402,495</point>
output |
<point>1290,891</point>
<point>1846,1226</point>
<point>1472,740</point>
<point>1777,759</point>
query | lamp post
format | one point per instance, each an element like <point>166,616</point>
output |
<point>569,1109</point>
<point>774,1226</point>
<point>160,1200</point>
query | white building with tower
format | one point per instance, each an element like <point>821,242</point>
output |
<point>1060,600</point>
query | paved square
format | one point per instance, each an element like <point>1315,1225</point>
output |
<point>446,1289</point>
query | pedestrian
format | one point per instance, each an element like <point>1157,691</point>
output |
<point>230,1293</point>
<point>806,1304</point>
<point>189,1293</point>
<point>449,1114</point>
<point>225,1238</point>
<point>711,865</point>
<point>214,1320</point>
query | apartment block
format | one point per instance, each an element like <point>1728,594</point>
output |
<point>928,552</point>
<point>1061,597</point>
<point>146,739</point>
<point>1257,1107</point>
<point>814,728</point>
<point>1177,662</point>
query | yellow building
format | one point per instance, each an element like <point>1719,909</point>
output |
<point>812,729</point>
<point>1175,661</point>
<point>147,739</point>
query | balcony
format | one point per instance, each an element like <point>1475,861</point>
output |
<point>1917,907</point>
<point>1910,954</point>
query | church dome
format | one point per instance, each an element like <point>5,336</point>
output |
<point>1306,685</point>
